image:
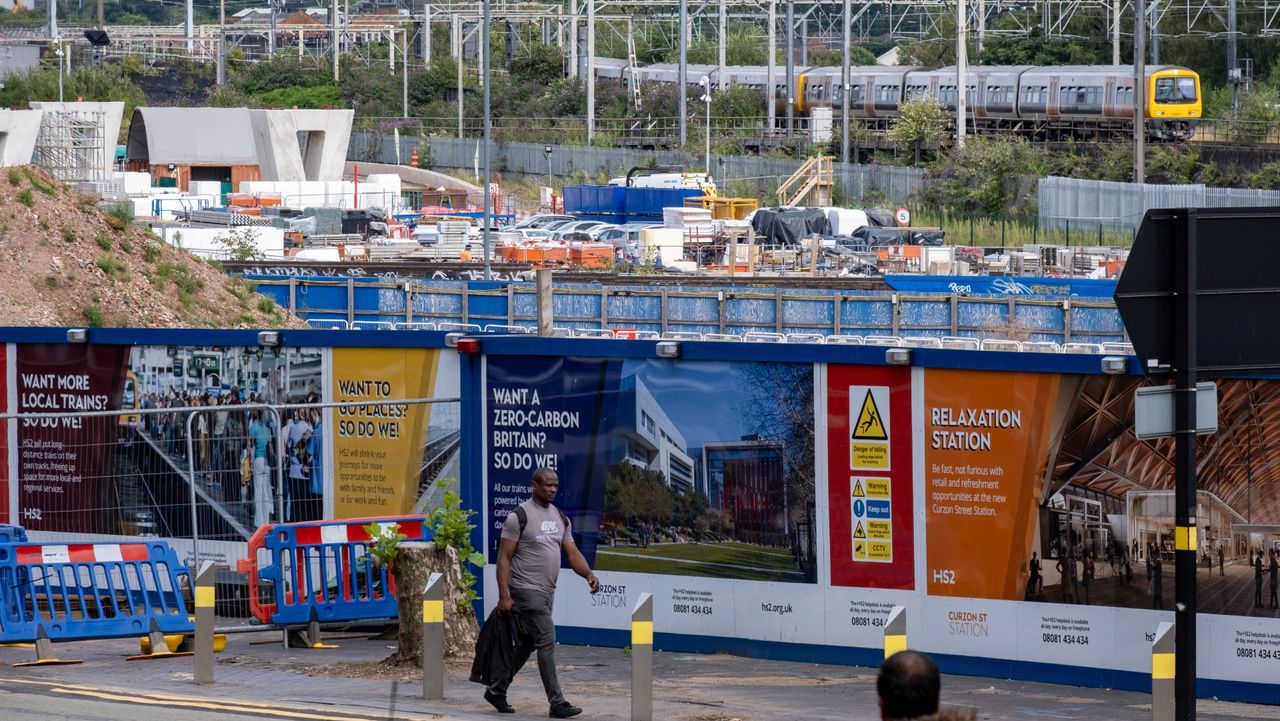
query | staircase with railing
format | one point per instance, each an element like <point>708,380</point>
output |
<point>811,184</point>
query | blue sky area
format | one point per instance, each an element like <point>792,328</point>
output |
<point>700,398</point>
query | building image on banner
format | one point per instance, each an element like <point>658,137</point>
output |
<point>663,469</point>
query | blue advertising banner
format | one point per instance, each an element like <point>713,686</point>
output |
<point>692,469</point>
<point>995,285</point>
<point>556,413</point>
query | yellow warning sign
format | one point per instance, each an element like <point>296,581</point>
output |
<point>860,551</point>
<point>877,487</point>
<point>882,530</point>
<point>857,489</point>
<point>869,426</point>
<point>858,532</point>
<point>879,551</point>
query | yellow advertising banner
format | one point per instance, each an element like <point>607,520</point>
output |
<point>986,437</point>
<point>377,454</point>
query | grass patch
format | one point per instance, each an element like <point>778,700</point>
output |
<point>41,184</point>
<point>88,203</point>
<point>150,250</point>
<point>109,264</point>
<point>714,560</point>
<point>93,315</point>
<point>126,245</point>
<point>44,224</point>
<point>103,241</point>
<point>266,305</point>
<point>120,215</point>
<point>51,281</point>
<point>25,197</point>
<point>15,177</point>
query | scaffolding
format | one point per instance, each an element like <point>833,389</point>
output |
<point>71,145</point>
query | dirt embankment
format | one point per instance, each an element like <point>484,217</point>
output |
<point>69,263</point>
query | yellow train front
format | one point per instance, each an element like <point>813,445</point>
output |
<point>1173,102</point>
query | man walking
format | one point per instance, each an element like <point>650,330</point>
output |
<point>1275,578</point>
<point>1222,562</point>
<point>528,567</point>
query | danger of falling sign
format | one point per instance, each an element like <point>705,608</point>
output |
<point>869,432</point>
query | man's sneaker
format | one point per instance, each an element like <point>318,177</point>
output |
<point>498,702</point>
<point>564,709</point>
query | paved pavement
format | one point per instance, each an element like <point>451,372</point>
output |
<point>257,678</point>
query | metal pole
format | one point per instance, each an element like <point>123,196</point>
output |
<point>457,23</point>
<point>1162,670</point>
<point>682,74</point>
<point>488,138</point>
<point>191,482</point>
<point>982,26</point>
<point>591,71</point>
<point>844,80</point>
<point>190,26</point>
<point>575,52</point>
<point>433,635</point>
<point>271,41</point>
<point>707,162</point>
<point>771,94</point>
<point>333,17</point>
<point>721,35</point>
<point>205,598</point>
<point>791,66</point>
<point>53,19</point>
<point>404,73</point>
<point>1139,91</point>
<point>1155,32</point>
<point>546,307</point>
<point>1233,61</point>
<point>895,631</point>
<point>962,61</point>
<point>642,657</point>
<point>222,41</point>
<point>1184,337</point>
<point>1115,32</point>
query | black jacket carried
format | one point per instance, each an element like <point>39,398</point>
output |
<point>496,649</point>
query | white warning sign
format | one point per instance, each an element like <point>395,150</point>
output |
<point>869,428</point>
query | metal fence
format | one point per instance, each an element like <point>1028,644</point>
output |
<point>204,472</point>
<point>1087,203</point>
<point>737,173</point>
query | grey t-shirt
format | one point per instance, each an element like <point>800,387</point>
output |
<point>536,562</point>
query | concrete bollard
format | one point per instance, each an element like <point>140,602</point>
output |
<point>205,598</point>
<point>642,659</point>
<point>433,638</point>
<point>1162,673</point>
<point>895,631</point>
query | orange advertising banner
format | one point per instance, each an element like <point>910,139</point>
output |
<point>378,448</point>
<point>985,447</point>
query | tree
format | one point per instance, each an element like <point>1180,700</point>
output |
<point>988,178</point>
<point>634,494</point>
<point>543,65</point>
<point>920,121</point>
<point>833,57</point>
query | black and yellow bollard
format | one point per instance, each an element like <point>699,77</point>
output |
<point>205,598</point>
<point>895,631</point>
<point>433,638</point>
<point>1162,673</point>
<point>642,659</point>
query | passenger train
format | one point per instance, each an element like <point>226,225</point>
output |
<point>1050,103</point>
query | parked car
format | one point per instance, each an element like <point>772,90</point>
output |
<point>537,222</point>
<point>546,231</point>
<point>579,226</point>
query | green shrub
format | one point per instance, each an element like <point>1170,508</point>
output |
<point>120,215</point>
<point>93,315</point>
<point>24,197</point>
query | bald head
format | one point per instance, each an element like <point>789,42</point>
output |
<point>908,686</point>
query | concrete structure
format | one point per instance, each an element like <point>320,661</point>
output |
<point>648,438</point>
<point>18,131</point>
<point>236,145</point>
<point>78,139</point>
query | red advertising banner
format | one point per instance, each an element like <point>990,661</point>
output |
<point>869,480</point>
<point>65,462</point>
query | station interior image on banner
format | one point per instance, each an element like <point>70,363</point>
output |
<point>695,469</point>
<point>1102,501</point>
